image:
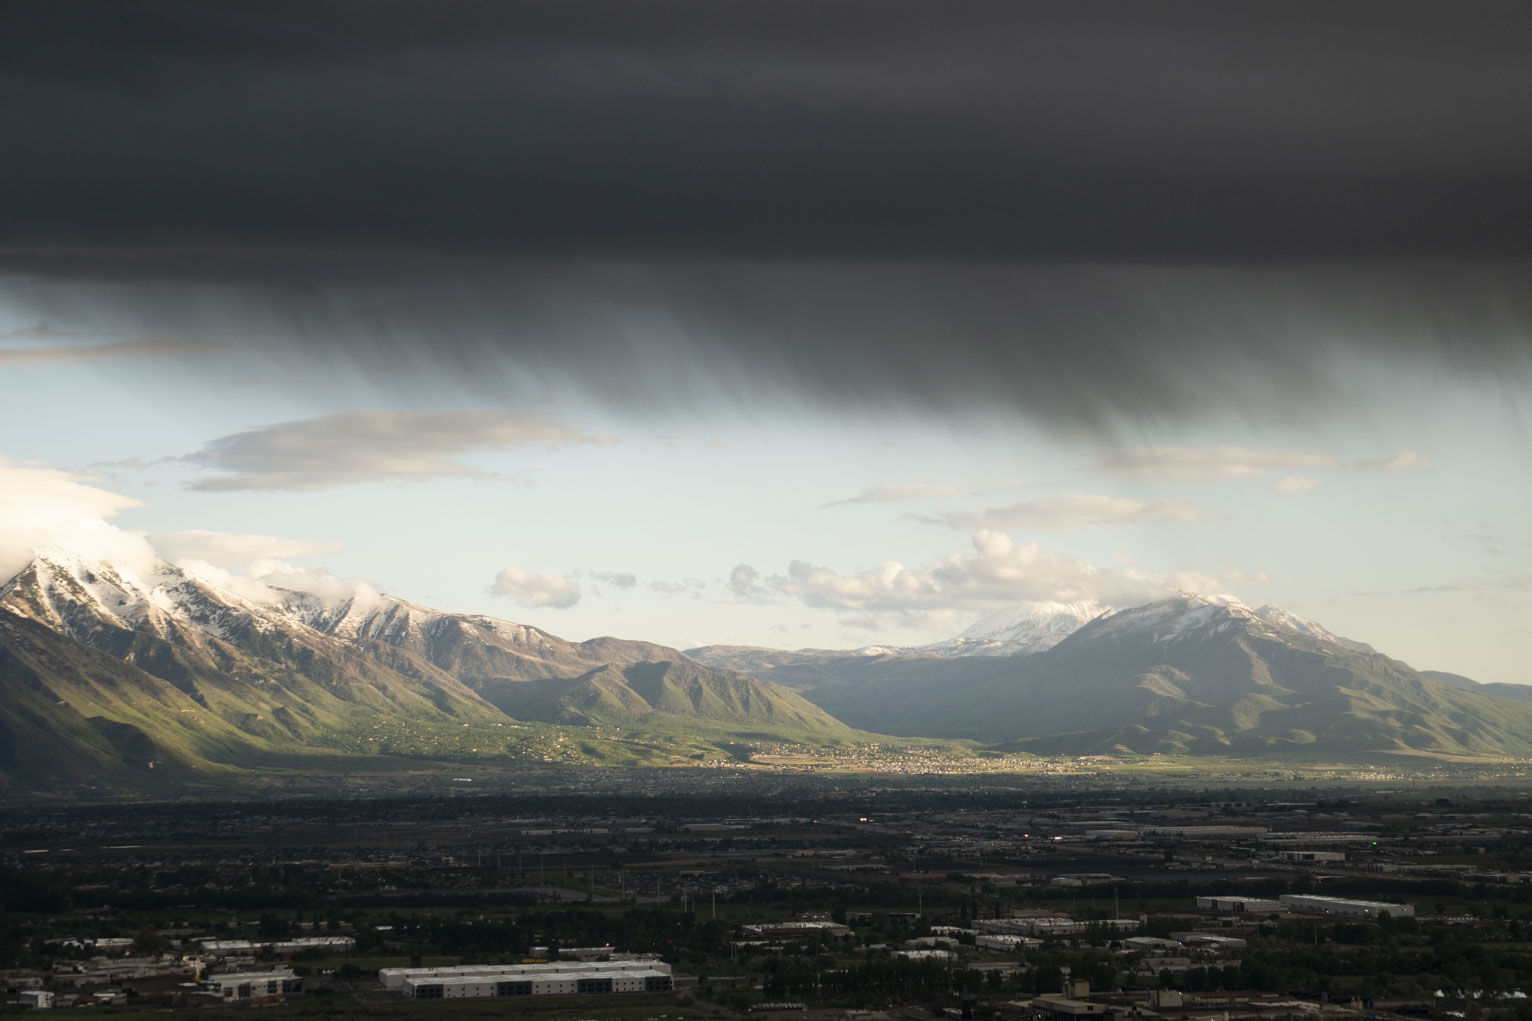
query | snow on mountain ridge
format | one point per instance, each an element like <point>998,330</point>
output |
<point>77,596</point>
<point>1190,613</point>
<point>1030,618</point>
<point>1293,622</point>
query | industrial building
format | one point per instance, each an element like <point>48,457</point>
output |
<point>1051,926</point>
<point>1151,943</point>
<point>253,986</point>
<point>1311,904</point>
<point>1239,905</point>
<point>558,978</point>
<point>788,930</point>
<point>282,948</point>
<point>395,978</point>
<point>1210,940</point>
<point>1005,942</point>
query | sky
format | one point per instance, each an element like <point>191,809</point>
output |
<point>787,324</point>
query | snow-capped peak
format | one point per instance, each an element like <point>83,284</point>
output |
<point>1025,619</point>
<point>1292,622</point>
<point>78,596</point>
<point>1190,613</point>
<point>1017,630</point>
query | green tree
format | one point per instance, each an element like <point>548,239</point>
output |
<point>149,943</point>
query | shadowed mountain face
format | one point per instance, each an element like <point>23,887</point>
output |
<point>1187,674</point>
<point>155,675</point>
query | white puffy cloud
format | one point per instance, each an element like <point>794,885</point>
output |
<point>998,571</point>
<point>1069,511</point>
<point>41,506</point>
<point>370,446</point>
<point>745,583</point>
<point>234,549</point>
<point>536,589</point>
<point>260,581</point>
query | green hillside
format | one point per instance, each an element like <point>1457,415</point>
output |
<point>650,693</point>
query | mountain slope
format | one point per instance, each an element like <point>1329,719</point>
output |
<point>1189,674</point>
<point>1514,692</point>
<point>532,675</point>
<point>1203,676</point>
<point>69,712</point>
<point>666,694</point>
<point>231,657</point>
<point>109,669</point>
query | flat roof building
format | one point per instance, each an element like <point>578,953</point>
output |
<point>1239,905</point>
<point>558,978</point>
<point>1005,942</point>
<point>253,986</point>
<point>395,978</point>
<point>1312,904</point>
<point>787,930</point>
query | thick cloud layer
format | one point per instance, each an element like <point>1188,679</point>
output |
<point>1082,130</point>
<point>1079,210</point>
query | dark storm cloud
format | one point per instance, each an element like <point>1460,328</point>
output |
<point>1082,209</point>
<point>192,134</point>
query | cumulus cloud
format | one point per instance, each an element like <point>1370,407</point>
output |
<point>536,589</point>
<point>235,550</point>
<point>999,570</point>
<point>371,446</point>
<point>144,347</point>
<point>746,584</point>
<point>41,506</point>
<point>269,581</point>
<point>256,567</point>
<point>742,579</point>
<point>1069,511</point>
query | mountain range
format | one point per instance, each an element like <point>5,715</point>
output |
<point>1191,674</point>
<point>104,668</point>
<point>150,676</point>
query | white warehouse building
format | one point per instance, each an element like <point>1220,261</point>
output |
<point>1311,904</point>
<point>554,979</point>
<point>1239,905</point>
<point>395,978</point>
